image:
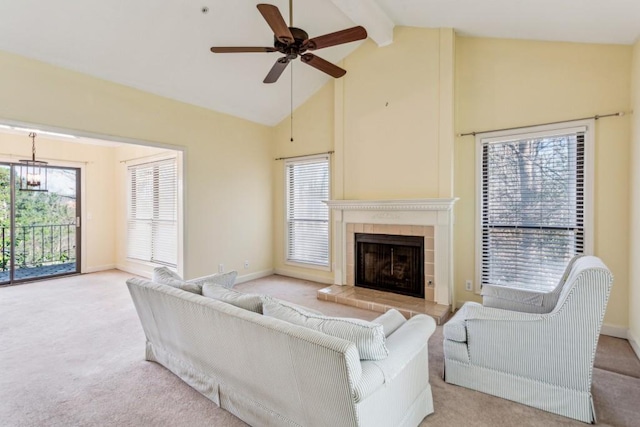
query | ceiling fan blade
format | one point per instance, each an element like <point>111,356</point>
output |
<point>239,49</point>
<point>272,15</point>
<point>339,37</point>
<point>276,70</point>
<point>323,65</point>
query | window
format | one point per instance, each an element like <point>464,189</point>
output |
<point>307,183</point>
<point>152,212</point>
<point>534,205</point>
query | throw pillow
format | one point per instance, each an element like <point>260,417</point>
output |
<point>164,276</point>
<point>224,279</point>
<point>251,302</point>
<point>368,337</point>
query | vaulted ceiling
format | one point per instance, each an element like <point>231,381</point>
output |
<point>162,47</point>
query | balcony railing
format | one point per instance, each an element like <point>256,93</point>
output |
<point>38,245</point>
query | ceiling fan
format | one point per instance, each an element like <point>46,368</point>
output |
<point>294,42</point>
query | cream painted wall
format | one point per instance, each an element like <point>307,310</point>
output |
<point>123,156</point>
<point>313,125</point>
<point>96,163</point>
<point>634,253</point>
<point>228,171</point>
<point>505,83</point>
<point>390,122</point>
<point>391,104</point>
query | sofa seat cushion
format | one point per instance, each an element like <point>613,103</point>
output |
<point>251,302</point>
<point>367,336</point>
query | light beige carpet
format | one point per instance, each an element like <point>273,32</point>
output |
<point>72,354</point>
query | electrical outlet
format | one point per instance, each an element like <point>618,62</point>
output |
<point>220,268</point>
<point>246,264</point>
<point>468,285</point>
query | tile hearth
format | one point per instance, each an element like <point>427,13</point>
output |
<point>381,302</point>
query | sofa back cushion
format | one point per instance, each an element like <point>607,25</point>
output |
<point>251,302</point>
<point>368,337</point>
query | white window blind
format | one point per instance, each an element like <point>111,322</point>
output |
<point>532,215</point>
<point>307,217</point>
<point>153,211</point>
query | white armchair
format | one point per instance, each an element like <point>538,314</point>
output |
<point>541,360</point>
<point>525,300</point>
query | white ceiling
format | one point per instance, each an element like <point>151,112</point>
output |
<point>163,46</point>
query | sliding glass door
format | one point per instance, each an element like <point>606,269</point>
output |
<point>40,229</point>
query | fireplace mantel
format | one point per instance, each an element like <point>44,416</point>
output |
<point>433,212</point>
<point>393,205</point>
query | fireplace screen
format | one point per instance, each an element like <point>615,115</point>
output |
<point>390,263</point>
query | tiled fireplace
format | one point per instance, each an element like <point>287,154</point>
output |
<point>425,232</point>
<point>430,219</point>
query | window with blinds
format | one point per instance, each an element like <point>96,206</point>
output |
<point>307,217</point>
<point>152,223</point>
<point>532,214</point>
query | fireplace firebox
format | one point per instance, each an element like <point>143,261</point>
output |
<point>390,263</point>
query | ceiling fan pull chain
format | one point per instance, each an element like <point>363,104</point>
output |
<point>291,117</point>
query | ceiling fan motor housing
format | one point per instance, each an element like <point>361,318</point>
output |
<point>293,49</point>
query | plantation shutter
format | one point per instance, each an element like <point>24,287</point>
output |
<point>307,217</point>
<point>153,211</point>
<point>532,214</point>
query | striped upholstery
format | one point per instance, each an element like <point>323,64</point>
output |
<point>166,276</point>
<point>542,360</point>
<point>368,337</point>
<point>269,372</point>
<point>251,302</point>
<point>528,301</point>
<point>390,321</point>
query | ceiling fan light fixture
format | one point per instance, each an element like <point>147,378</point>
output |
<point>293,42</point>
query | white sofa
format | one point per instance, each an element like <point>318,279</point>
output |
<point>269,372</point>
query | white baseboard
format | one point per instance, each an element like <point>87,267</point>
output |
<point>614,331</point>
<point>95,269</point>
<point>254,276</point>
<point>634,341</point>
<point>304,276</point>
<point>134,270</point>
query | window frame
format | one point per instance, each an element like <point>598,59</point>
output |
<point>531,132</point>
<point>179,232</point>
<point>287,261</point>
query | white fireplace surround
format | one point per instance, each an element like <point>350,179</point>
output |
<point>434,212</point>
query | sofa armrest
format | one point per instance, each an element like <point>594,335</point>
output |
<point>405,343</point>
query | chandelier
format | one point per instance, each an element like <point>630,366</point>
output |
<point>32,173</point>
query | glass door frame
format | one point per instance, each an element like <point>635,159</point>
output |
<point>78,224</point>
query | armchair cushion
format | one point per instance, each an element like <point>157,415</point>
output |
<point>525,300</point>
